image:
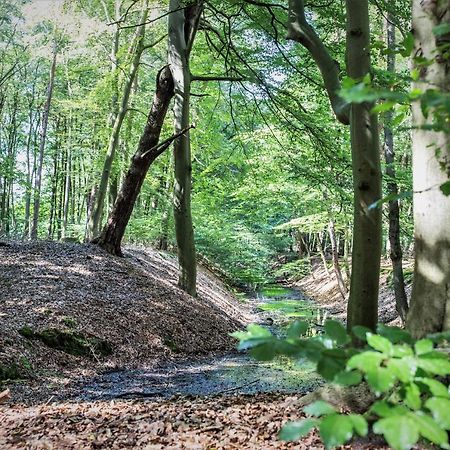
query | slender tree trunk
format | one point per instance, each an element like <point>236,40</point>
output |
<point>322,253</point>
<point>111,236</point>
<point>97,210</point>
<point>45,117</point>
<point>394,212</point>
<point>183,24</point>
<point>364,286</point>
<point>430,300</point>
<point>335,256</point>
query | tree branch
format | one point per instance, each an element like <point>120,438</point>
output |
<point>215,78</point>
<point>161,147</point>
<point>301,31</point>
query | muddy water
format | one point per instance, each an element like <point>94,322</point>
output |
<point>231,373</point>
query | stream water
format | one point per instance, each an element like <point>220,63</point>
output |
<point>231,373</point>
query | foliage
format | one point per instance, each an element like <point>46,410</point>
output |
<point>407,376</point>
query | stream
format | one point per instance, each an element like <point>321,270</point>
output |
<point>235,372</point>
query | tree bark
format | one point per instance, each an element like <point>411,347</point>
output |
<point>430,300</point>
<point>45,116</point>
<point>148,150</point>
<point>364,286</point>
<point>396,253</point>
<point>183,24</point>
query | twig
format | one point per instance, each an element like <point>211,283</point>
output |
<point>236,388</point>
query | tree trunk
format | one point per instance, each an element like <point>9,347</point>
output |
<point>430,301</point>
<point>335,256</point>
<point>364,286</point>
<point>183,24</point>
<point>396,254</point>
<point>45,116</point>
<point>97,210</point>
<point>111,236</point>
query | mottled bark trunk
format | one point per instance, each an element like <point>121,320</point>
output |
<point>396,253</point>
<point>364,286</point>
<point>111,236</point>
<point>183,24</point>
<point>430,300</point>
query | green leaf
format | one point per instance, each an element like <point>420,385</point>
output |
<point>319,408</point>
<point>293,431</point>
<point>380,380</point>
<point>297,329</point>
<point>336,331</point>
<point>423,346</point>
<point>441,29</point>
<point>404,369</point>
<point>359,424</point>
<point>390,198</point>
<point>440,408</point>
<point>445,188</point>
<point>360,332</point>
<point>407,44</point>
<point>437,388</point>
<point>263,352</point>
<point>383,409</point>
<point>439,337</point>
<point>380,343</point>
<point>349,378</point>
<point>383,107</point>
<point>400,432</point>
<point>365,361</point>
<point>331,363</point>
<point>430,430</point>
<point>434,362</point>
<point>412,396</point>
<point>335,430</point>
<point>394,334</point>
<point>402,350</point>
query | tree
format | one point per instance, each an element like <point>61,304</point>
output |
<point>183,25</point>
<point>117,121</point>
<point>396,253</point>
<point>43,137</point>
<point>148,150</point>
<point>430,300</point>
<point>363,300</point>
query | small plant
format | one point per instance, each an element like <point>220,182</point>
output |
<point>407,377</point>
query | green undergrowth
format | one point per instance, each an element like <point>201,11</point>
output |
<point>408,379</point>
<point>69,341</point>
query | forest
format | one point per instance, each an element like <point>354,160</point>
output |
<point>224,224</point>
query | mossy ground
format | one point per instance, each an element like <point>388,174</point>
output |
<point>69,341</point>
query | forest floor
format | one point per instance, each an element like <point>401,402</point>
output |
<point>141,338</point>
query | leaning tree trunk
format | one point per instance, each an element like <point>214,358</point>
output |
<point>97,209</point>
<point>183,24</point>
<point>45,116</point>
<point>335,255</point>
<point>430,300</point>
<point>396,253</point>
<point>364,285</point>
<point>148,150</point>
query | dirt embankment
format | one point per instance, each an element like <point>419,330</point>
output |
<point>73,306</point>
<point>323,288</point>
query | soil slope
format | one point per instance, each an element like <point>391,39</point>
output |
<point>131,305</point>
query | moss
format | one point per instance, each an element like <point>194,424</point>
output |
<point>69,322</point>
<point>69,341</point>
<point>170,343</point>
<point>9,372</point>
